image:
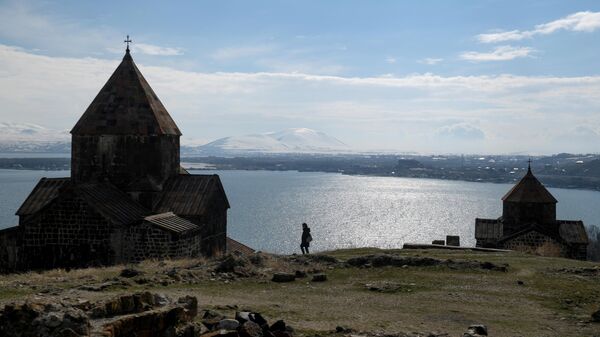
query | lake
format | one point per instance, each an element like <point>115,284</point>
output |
<point>268,207</point>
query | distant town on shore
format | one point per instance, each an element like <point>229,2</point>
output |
<point>578,171</point>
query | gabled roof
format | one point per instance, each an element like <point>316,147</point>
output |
<point>171,222</point>
<point>46,190</point>
<point>190,194</point>
<point>529,189</point>
<point>126,105</point>
<point>572,231</point>
<point>105,198</point>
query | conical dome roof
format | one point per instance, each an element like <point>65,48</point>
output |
<point>529,189</point>
<point>126,105</point>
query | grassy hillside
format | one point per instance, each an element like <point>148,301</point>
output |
<point>535,296</point>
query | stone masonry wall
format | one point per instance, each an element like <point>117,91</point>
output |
<point>536,242</point>
<point>146,241</point>
<point>69,233</point>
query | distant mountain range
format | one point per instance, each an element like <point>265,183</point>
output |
<point>32,138</point>
<point>296,140</point>
<point>29,137</point>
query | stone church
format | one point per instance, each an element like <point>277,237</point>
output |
<point>528,223</point>
<point>127,198</point>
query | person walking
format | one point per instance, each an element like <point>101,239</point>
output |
<point>306,239</point>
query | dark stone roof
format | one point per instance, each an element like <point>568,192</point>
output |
<point>234,246</point>
<point>529,189</point>
<point>171,222</point>
<point>105,198</point>
<point>126,105</point>
<point>567,231</point>
<point>111,202</point>
<point>46,190</point>
<point>488,229</point>
<point>190,194</point>
<point>572,231</point>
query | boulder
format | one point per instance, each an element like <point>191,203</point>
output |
<point>300,274</point>
<point>476,330</point>
<point>596,316</point>
<point>250,329</point>
<point>319,278</point>
<point>228,324</point>
<point>283,277</point>
<point>278,326</point>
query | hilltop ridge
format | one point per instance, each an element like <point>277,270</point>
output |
<point>401,292</point>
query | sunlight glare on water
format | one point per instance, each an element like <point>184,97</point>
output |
<point>267,208</point>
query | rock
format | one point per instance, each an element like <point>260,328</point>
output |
<point>52,320</point>
<point>250,329</point>
<point>228,324</point>
<point>229,263</point>
<point>596,316</point>
<point>277,326</point>
<point>283,277</point>
<point>319,278</point>
<point>476,330</point>
<point>130,272</point>
<point>300,274</point>
<point>519,282</point>
<point>242,316</point>
<point>341,329</point>
<point>211,319</point>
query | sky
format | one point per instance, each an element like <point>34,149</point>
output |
<point>493,77</point>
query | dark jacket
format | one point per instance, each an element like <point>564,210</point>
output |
<point>305,235</point>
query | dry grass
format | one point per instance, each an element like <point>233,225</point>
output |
<point>549,303</point>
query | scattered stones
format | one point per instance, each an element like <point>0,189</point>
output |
<point>130,272</point>
<point>229,263</point>
<point>390,287</point>
<point>382,260</point>
<point>476,330</point>
<point>319,278</point>
<point>283,277</point>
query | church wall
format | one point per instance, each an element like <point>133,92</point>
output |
<point>516,214</point>
<point>10,249</point>
<point>68,233</point>
<point>124,159</point>
<point>145,241</point>
<point>537,243</point>
<point>213,226</point>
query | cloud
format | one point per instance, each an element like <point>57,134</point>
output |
<point>375,112</point>
<point>577,22</point>
<point>500,53</point>
<point>430,61</point>
<point>150,49</point>
<point>460,131</point>
<point>390,60</point>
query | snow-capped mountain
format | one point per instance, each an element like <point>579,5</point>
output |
<point>27,137</point>
<point>297,140</point>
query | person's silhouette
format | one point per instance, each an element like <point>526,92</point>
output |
<point>306,239</point>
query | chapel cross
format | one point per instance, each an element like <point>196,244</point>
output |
<point>127,40</point>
